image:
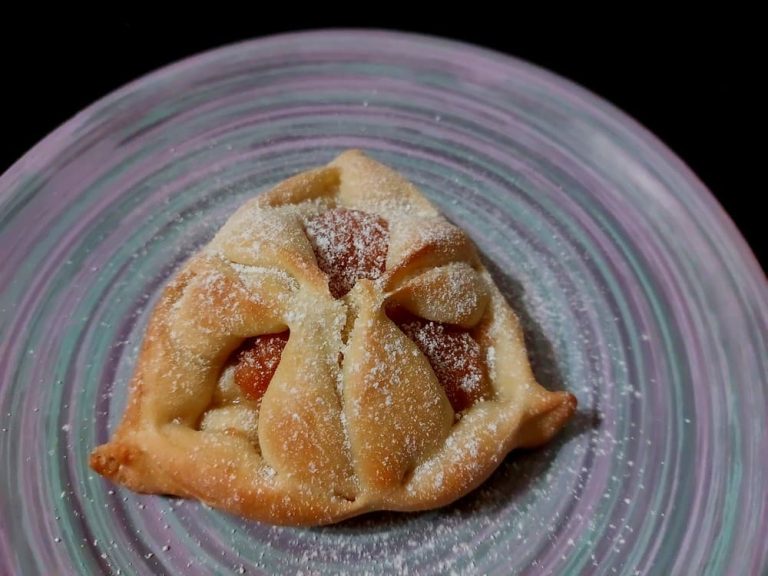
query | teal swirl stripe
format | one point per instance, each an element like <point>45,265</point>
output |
<point>637,293</point>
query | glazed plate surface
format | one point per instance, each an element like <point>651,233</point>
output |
<point>637,293</point>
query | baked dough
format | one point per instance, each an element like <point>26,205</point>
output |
<point>356,417</point>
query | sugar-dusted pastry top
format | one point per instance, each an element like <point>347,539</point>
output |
<point>337,348</point>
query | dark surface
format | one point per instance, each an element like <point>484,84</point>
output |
<point>686,83</point>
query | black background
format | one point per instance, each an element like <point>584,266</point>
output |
<point>690,84</point>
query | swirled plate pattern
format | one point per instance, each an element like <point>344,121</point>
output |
<point>637,293</point>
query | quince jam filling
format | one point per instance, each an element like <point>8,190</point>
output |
<point>455,357</point>
<point>257,362</point>
<point>349,245</point>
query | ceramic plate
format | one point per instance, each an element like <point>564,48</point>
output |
<point>637,293</point>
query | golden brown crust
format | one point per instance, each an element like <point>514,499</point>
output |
<point>354,419</point>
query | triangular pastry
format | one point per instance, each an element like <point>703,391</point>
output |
<point>337,348</point>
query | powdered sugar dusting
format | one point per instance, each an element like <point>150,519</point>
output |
<point>456,359</point>
<point>453,294</point>
<point>257,235</point>
<point>236,418</point>
<point>259,276</point>
<point>253,277</point>
<point>490,361</point>
<point>348,245</point>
